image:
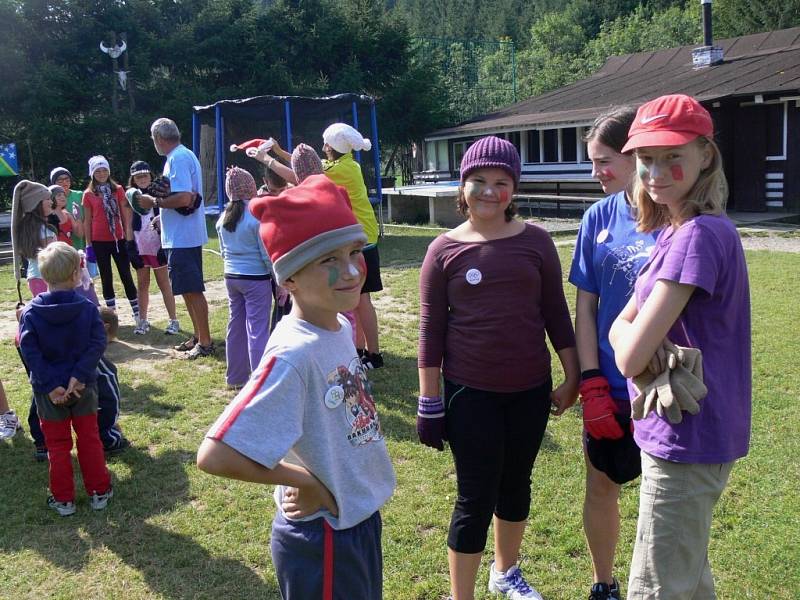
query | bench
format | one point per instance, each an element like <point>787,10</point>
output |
<point>530,200</point>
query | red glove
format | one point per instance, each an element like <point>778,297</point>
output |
<point>598,409</point>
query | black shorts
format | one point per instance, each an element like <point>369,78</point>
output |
<point>185,266</point>
<point>619,459</point>
<point>373,281</point>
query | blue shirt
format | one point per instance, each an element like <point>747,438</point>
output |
<point>608,256</point>
<point>243,252</point>
<point>185,175</point>
<point>48,235</point>
<point>61,335</point>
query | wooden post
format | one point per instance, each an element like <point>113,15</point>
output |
<point>114,69</point>
<point>131,103</point>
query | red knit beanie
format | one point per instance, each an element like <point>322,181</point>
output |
<point>304,223</point>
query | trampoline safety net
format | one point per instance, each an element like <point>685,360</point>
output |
<point>290,120</point>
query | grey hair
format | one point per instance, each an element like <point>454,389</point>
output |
<point>165,129</point>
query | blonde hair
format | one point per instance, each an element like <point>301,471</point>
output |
<point>111,320</point>
<point>58,262</point>
<point>707,196</point>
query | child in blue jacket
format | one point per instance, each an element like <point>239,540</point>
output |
<point>61,341</point>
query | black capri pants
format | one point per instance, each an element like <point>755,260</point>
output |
<point>495,438</point>
<point>105,252</point>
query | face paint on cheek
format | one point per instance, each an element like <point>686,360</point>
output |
<point>333,276</point>
<point>472,189</point>
<point>677,172</point>
<point>607,174</point>
<point>353,270</point>
<point>504,195</point>
<point>643,171</point>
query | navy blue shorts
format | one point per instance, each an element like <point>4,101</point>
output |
<point>620,460</point>
<point>185,267</point>
<point>372,258</point>
<point>314,561</point>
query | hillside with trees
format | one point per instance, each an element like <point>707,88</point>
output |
<point>429,64</point>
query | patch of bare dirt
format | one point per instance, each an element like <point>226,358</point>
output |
<point>156,314</point>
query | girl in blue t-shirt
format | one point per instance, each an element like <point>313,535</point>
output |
<point>692,292</point>
<point>608,255</point>
<point>248,274</point>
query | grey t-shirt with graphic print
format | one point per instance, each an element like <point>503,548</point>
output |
<point>309,402</point>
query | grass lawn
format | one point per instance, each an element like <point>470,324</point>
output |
<point>173,532</point>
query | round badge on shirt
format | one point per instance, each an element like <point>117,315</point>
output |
<point>602,236</point>
<point>474,277</point>
<point>334,396</point>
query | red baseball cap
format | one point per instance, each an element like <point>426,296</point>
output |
<point>671,120</point>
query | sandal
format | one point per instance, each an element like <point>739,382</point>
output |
<point>186,345</point>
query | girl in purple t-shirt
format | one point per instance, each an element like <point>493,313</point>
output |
<point>694,292</point>
<point>608,255</point>
<point>485,274</point>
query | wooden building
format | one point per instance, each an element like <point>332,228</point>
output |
<point>753,94</point>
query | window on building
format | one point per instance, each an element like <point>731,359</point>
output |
<point>514,138</point>
<point>569,144</point>
<point>776,127</point>
<point>459,148</point>
<point>550,145</point>
<point>436,156</point>
<point>533,147</point>
<point>582,131</point>
<point>430,156</point>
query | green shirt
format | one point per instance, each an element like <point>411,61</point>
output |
<point>75,207</point>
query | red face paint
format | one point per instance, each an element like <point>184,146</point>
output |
<point>607,174</point>
<point>677,172</point>
<point>504,195</point>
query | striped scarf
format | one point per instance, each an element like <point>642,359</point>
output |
<point>110,208</point>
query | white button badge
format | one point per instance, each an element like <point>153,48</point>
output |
<point>474,277</point>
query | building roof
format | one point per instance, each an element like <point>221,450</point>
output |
<point>762,63</point>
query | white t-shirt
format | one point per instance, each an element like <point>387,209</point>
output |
<point>309,402</point>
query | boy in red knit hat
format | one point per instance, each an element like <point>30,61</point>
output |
<point>306,422</point>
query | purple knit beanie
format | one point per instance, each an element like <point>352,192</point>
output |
<point>491,152</point>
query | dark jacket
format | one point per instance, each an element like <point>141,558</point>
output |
<point>61,336</point>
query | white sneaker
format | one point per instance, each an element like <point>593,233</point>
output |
<point>173,327</point>
<point>511,584</point>
<point>100,501</point>
<point>9,425</point>
<point>142,326</point>
<point>64,509</point>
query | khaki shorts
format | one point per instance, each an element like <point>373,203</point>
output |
<point>676,504</point>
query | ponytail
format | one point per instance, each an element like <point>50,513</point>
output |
<point>234,212</point>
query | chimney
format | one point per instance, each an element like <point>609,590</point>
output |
<point>708,54</point>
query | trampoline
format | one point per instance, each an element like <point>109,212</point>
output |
<point>290,120</point>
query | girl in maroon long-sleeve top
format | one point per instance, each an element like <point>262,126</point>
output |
<point>490,290</point>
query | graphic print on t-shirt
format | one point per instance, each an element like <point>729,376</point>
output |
<point>352,386</point>
<point>627,258</point>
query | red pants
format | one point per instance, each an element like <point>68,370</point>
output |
<point>58,437</point>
